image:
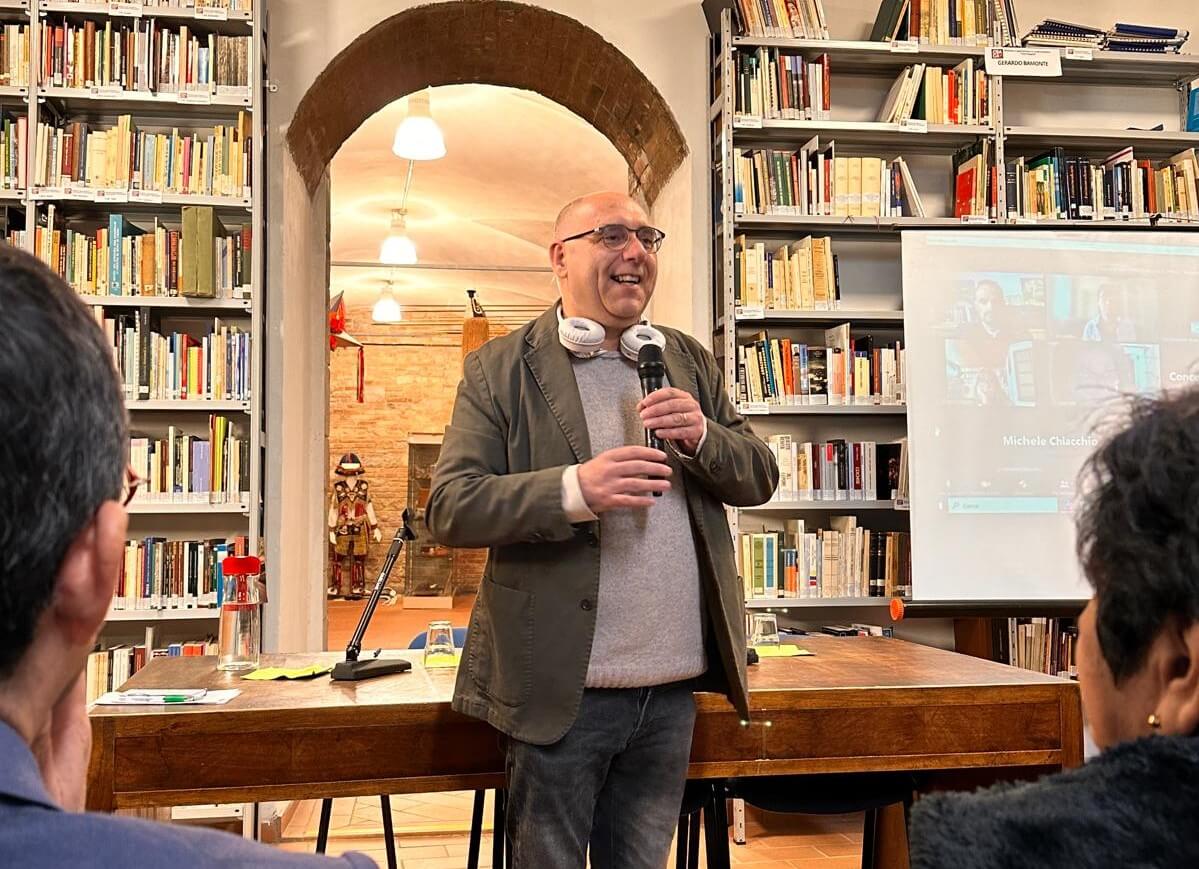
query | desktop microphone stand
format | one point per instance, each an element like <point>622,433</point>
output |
<point>351,669</point>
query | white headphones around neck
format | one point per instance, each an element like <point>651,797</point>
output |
<point>584,338</point>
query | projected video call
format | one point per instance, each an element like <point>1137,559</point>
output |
<point>1033,337</point>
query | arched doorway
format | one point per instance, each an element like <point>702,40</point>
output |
<point>499,43</point>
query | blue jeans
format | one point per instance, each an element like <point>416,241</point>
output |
<point>614,781</point>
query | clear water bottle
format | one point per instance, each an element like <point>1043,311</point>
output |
<point>241,617</point>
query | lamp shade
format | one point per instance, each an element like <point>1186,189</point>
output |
<point>387,309</point>
<point>398,249</point>
<point>418,137</point>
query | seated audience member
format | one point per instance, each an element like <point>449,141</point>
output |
<point>63,486</point>
<point>1136,804</point>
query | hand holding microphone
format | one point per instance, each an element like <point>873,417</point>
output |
<point>667,413</point>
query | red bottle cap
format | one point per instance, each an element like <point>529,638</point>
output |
<point>241,564</point>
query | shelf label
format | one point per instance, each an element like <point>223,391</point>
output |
<point>84,193</point>
<point>195,97</point>
<point>1024,62</point>
<point>48,192</point>
<point>903,504</point>
<point>149,196</point>
<point>975,218</point>
<point>212,13</point>
<point>755,408</point>
<point>1078,54</point>
<point>905,46</point>
<point>1032,221</point>
<point>750,313</point>
<point>914,125</point>
<point>236,92</point>
<point>107,194</point>
<point>748,122</point>
<point>106,92</point>
<point>129,10</point>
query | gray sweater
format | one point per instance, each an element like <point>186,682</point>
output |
<point>649,622</point>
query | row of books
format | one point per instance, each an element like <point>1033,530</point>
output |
<point>961,95</point>
<point>798,275</point>
<point>974,189</point>
<point>791,19</point>
<point>14,55</point>
<point>838,470</point>
<point>946,22</point>
<point>109,669</point>
<point>1056,185</point>
<point>1047,645</point>
<point>124,259</point>
<point>178,366</point>
<point>774,85</point>
<point>143,56</point>
<point>780,372</point>
<point>814,181</point>
<point>161,574</point>
<point>842,561</point>
<point>78,154</point>
<point>200,7</point>
<point>191,469</point>
<point>1119,37</point>
<point>12,152</point>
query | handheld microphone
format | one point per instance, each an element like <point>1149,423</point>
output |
<point>652,372</point>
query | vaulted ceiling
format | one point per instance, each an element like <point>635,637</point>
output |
<point>513,158</point>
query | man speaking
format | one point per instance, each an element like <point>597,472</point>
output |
<point>611,590</point>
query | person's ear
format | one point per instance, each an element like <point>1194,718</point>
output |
<point>558,259</point>
<point>88,575</point>
<point>1174,659</point>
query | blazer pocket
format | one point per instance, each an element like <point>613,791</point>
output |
<point>501,653</point>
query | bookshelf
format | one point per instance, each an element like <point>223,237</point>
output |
<point>869,274</point>
<point>790,507</point>
<point>783,604</point>
<point>183,615</point>
<point>232,96</point>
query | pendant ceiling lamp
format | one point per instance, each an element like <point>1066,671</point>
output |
<point>418,137</point>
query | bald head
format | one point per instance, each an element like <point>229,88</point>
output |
<point>580,215</point>
<point>608,284</point>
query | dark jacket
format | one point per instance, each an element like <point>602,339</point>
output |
<point>36,834</point>
<point>518,422</point>
<point>1136,805</point>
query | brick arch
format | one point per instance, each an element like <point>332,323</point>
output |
<point>490,42</point>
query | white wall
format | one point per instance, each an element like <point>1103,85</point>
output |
<point>665,39</point>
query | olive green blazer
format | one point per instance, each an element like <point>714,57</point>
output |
<point>518,422</point>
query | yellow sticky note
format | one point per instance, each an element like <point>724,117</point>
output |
<point>434,662</point>
<point>268,673</point>
<point>783,651</point>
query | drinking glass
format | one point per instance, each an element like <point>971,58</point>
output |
<point>440,639</point>
<point>764,630</point>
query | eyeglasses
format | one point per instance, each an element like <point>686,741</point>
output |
<point>129,485</point>
<point>615,236</point>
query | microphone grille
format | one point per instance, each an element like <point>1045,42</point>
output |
<point>649,353</point>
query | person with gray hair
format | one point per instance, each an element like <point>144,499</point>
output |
<point>64,487</point>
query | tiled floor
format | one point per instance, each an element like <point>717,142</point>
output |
<point>431,834</point>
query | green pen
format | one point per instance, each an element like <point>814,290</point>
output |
<point>175,698</point>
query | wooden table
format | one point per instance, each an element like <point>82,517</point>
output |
<point>860,704</point>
